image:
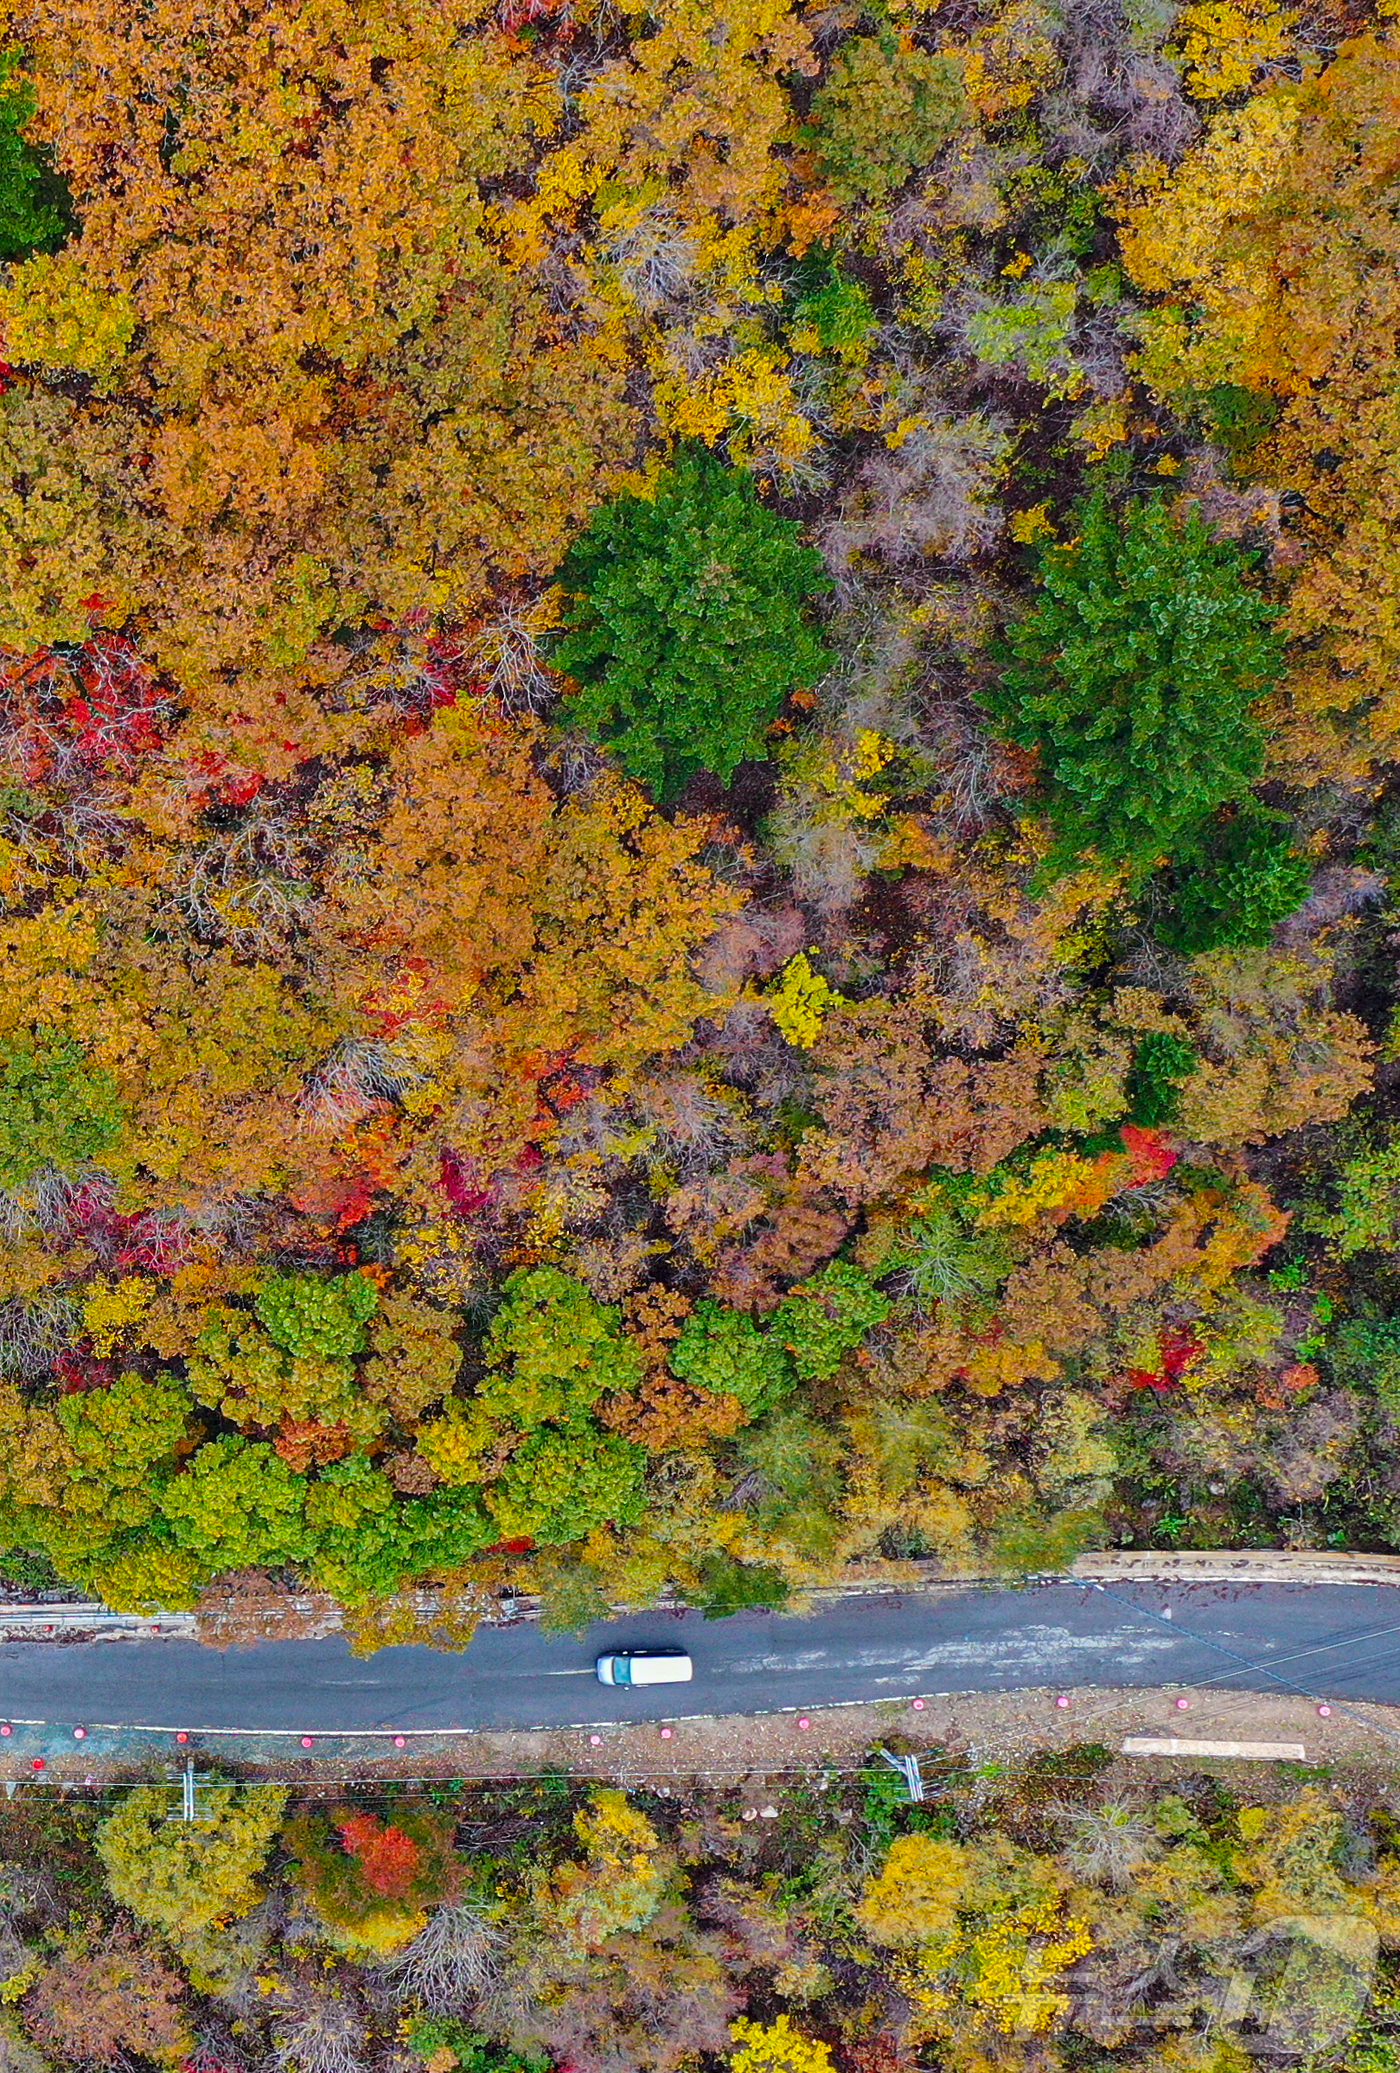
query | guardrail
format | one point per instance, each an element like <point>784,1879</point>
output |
<point>1120,1565</point>
<point>48,1622</point>
<point>1235,1565</point>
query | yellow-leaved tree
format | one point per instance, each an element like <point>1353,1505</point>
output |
<point>1275,254</point>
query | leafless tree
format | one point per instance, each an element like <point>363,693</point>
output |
<point>352,1082</point>
<point>33,1329</point>
<point>248,886</point>
<point>328,2037</point>
<point>505,653</point>
<point>654,256</point>
<point>450,1963</point>
<point>1107,1844</point>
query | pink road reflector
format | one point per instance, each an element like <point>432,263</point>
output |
<point>1324,1712</point>
<point>401,1741</point>
<point>6,1729</point>
<point>38,1764</point>
<point>1182,1705</point>
<point>595,1741</point>
<point>918,1705</point>
<point>1063,1699</point>
<point>80,1734</point>
<point>666,1734</point>
<point>182,1737</point>
<point>804,1722</point>
<point>308,1741</point>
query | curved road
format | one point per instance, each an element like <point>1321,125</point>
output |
<point>1327,1641</point>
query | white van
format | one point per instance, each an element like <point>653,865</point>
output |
<point>645,1666</point>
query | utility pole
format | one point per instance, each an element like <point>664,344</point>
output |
<point>190,1809</point>
<point>908,1769</point>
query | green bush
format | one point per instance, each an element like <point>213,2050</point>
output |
<point>826,1317</point>
<point>1029,1542</point>
<point>723,1350</point>
<point>1364,1353</point>
<point>1029,329</point>
<point>727,1587</point>
<point>1161,1063</point>
<point>837,314</point>
<point>35,212</point>
<point>571,1597</point>
<point>798,1458</point>
<point>55,1108</point>
<point>317,1313</point>
<point>1247,879</point>
<point>1367,1216</point>
<point>430,2036</point>
<point>686,626</point>
<point>564,1480</point>
<point>555,1348</point>
<point>236,1506</point>
<point>941,1255</point>
<point>444,1530</point>
<point>1133,676</point>
<point>882,113</point>
<point>354,1520</point>
<point>1237,418</point>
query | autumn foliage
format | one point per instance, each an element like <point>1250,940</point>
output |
<point>696,732</point>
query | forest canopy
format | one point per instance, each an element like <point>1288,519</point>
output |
<point>697,761</point>
<point>1015,1917</point>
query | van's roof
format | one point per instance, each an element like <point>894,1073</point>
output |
<point>657,1665</point>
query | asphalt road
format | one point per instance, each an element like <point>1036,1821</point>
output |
<point>1328,1641</point>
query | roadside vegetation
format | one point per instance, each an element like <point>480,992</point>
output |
<point>1056,1913</point>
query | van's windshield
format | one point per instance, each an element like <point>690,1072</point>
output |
<point>622,1670</point>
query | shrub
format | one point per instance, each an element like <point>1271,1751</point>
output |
<point>1134,676</point>
<point>883,112</point>
<point>1247,879</point>
<point>727,1587</point>
<point>686,626</point>
<point>55,1108</point>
